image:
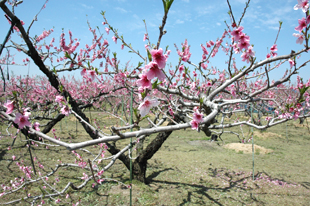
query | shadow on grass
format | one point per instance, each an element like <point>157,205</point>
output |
<point>306,185</point>
<point>226,187</point>
<point>150,178</point>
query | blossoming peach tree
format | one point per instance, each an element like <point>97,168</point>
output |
<point>188,95</point>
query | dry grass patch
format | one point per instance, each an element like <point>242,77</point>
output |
<point>266,135</point>
<point>247,148</point>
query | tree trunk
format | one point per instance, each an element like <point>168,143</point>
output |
<point>139,171</point>
<point>140,164</point>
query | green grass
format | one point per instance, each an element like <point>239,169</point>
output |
<point>187,170</point>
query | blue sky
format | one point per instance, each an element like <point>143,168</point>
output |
<point>198,21</point>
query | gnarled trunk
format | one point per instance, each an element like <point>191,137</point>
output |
<point>140,164</point>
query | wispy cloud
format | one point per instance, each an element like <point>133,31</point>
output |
<point>136,17</point>
<point>87,7</point>
<point>179,21</point>
<point>121,10</point>
<point>203,10</point>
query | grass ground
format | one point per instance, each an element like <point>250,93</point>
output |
<point>187,170</point>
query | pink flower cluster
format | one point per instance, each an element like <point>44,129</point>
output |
<point>146,105</point>
<point>90,74</point>
<point>197,119</point>
<point>184,54</point>
<point>21,119</point>
<point>79,160</point>
<point>70,48</point>
<point>302,4</point>
<point>44,35</point>
<point>303,23</point>
<point>152,70</point>
<point>273,50</point>
<point>242,41</point>
<point>63,103</point>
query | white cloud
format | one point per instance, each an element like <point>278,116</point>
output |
<point>136,17</point>
<point>121,10</point>
<point>273,27</point>
<point>87,7</point>
<point>187,1</point>
<point>179,21</point>
<point>218,23</point>
<point>202,10</point>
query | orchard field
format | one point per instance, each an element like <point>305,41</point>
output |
<point>207,107</point>
<point>189,169</point>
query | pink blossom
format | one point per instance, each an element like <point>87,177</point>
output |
<point>145,37</point>
<point>65,110</point>
<point>237,33</point>
<point>185,54</point>
<point>245,57</point>
<point>85,176</point>
<point>243,45</point>
<point>84,72</point>
<point>9,107</point>
<point>107,30</point>
<point>302,24</point>
<point>13,157</point>
<point>194,124</point>
<point>144,82</point>
<point>302,4</point>
<point>146,105</point>
<point>243,38</point>
<point>154,71</point>
<point>300,38</point>
<point>249,53</point>
<point>274,48</point>
<point>204,66</point>
<point>296,115</point>
<point>22,120</point>
<point>105,42</point>
<point>298,105</point>
<point>292,63</point>
<point>100,172</point>
<point>205,51</point>
<point>92,74</point>
<point>114,39</point>
<point>60,100</point>
<point>36,126</point>
<point>181,68</point>
<point>274,54</point>
<point>158,57</point>
<point>198,117</point>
